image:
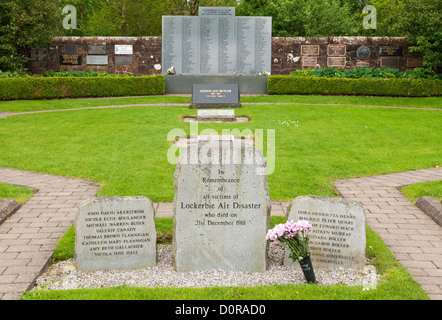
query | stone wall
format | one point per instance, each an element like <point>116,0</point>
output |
<point>288,54</point>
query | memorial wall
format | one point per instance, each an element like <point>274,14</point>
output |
<point>143,55</point>
<point>217,43</point>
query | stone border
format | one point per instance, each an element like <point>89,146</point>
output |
<point>7,208</point>
<point>432,207</point>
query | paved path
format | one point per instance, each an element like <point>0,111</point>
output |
<point>28,238</point>
<point>414,238</point>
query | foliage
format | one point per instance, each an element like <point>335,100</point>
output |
<point>74,87</point>
<point>364,72</point>
<point>306,18</point>
<point>24,24</point>
<point>421,21</point>
<point>346,86</point>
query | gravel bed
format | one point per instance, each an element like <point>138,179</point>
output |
<point>64,275</point>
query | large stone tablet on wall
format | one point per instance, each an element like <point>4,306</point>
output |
<point>221,207</point>
<point>337,236</point>
<point>115,233</point>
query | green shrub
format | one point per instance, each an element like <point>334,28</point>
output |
<point>77,87</point>
<point>347,86</point>
<point>364,72</point>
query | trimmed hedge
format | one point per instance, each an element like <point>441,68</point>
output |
<point>346,86</point>
<point>76,87</point>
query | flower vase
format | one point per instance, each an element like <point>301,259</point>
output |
<point>307,269</point>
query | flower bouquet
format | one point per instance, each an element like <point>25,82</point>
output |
<point>171,70</point>
<point>294,237</point>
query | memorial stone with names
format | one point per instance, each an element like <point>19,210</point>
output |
<point>337,236</point>
<point>217,43</point>
<point>220,222</point>
<point>115,233</point>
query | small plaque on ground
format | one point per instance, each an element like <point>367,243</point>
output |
<point>215,96</point>
<point>115,233</point>
<point>215,114</point>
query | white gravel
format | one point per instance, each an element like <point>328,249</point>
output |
<point>64,275</point>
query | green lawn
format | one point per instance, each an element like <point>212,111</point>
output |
<point>19,194</point>
<point>431,189</point>
<point>34,105</point>
<point>125,150</point>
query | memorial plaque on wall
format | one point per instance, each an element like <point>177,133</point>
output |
<point>180,44</point>
<point>336,61</point>
<point>123,49</point>
<point>363,53</point>
<point>336,50</point>
<point>254,45</point>
<point>70,59</point>
<point>71,48</point>
<point>39,54</point>
<point>390,62</point>
<point>96,49</point>
<point>310,50</point>
<point>309,61</point>
<point>390,51</point>
<point>415,62</point>
<point>97,60</point>
<point>123,60</point>
<point>360,64</point>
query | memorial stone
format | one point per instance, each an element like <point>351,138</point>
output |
<point>221,207</point>
<point>336,61</point>
<point>71,48</point>
<point>217,43</point>
<point>115,233</point>
<point>215,96</point>
<point>337,236</point>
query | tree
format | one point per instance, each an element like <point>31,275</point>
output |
<point>305,18</point>
<point>421,22</point>
<point>24,24</point>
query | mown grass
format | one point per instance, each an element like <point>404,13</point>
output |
<point>431,189</point>
<point>58,104</point>
<point>19,194</point>
<point>125,149</point>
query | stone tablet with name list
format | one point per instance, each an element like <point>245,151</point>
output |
<point>115,233</point>
<point>337,237</point>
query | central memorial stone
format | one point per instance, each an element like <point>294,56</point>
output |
<point>221,207</point>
